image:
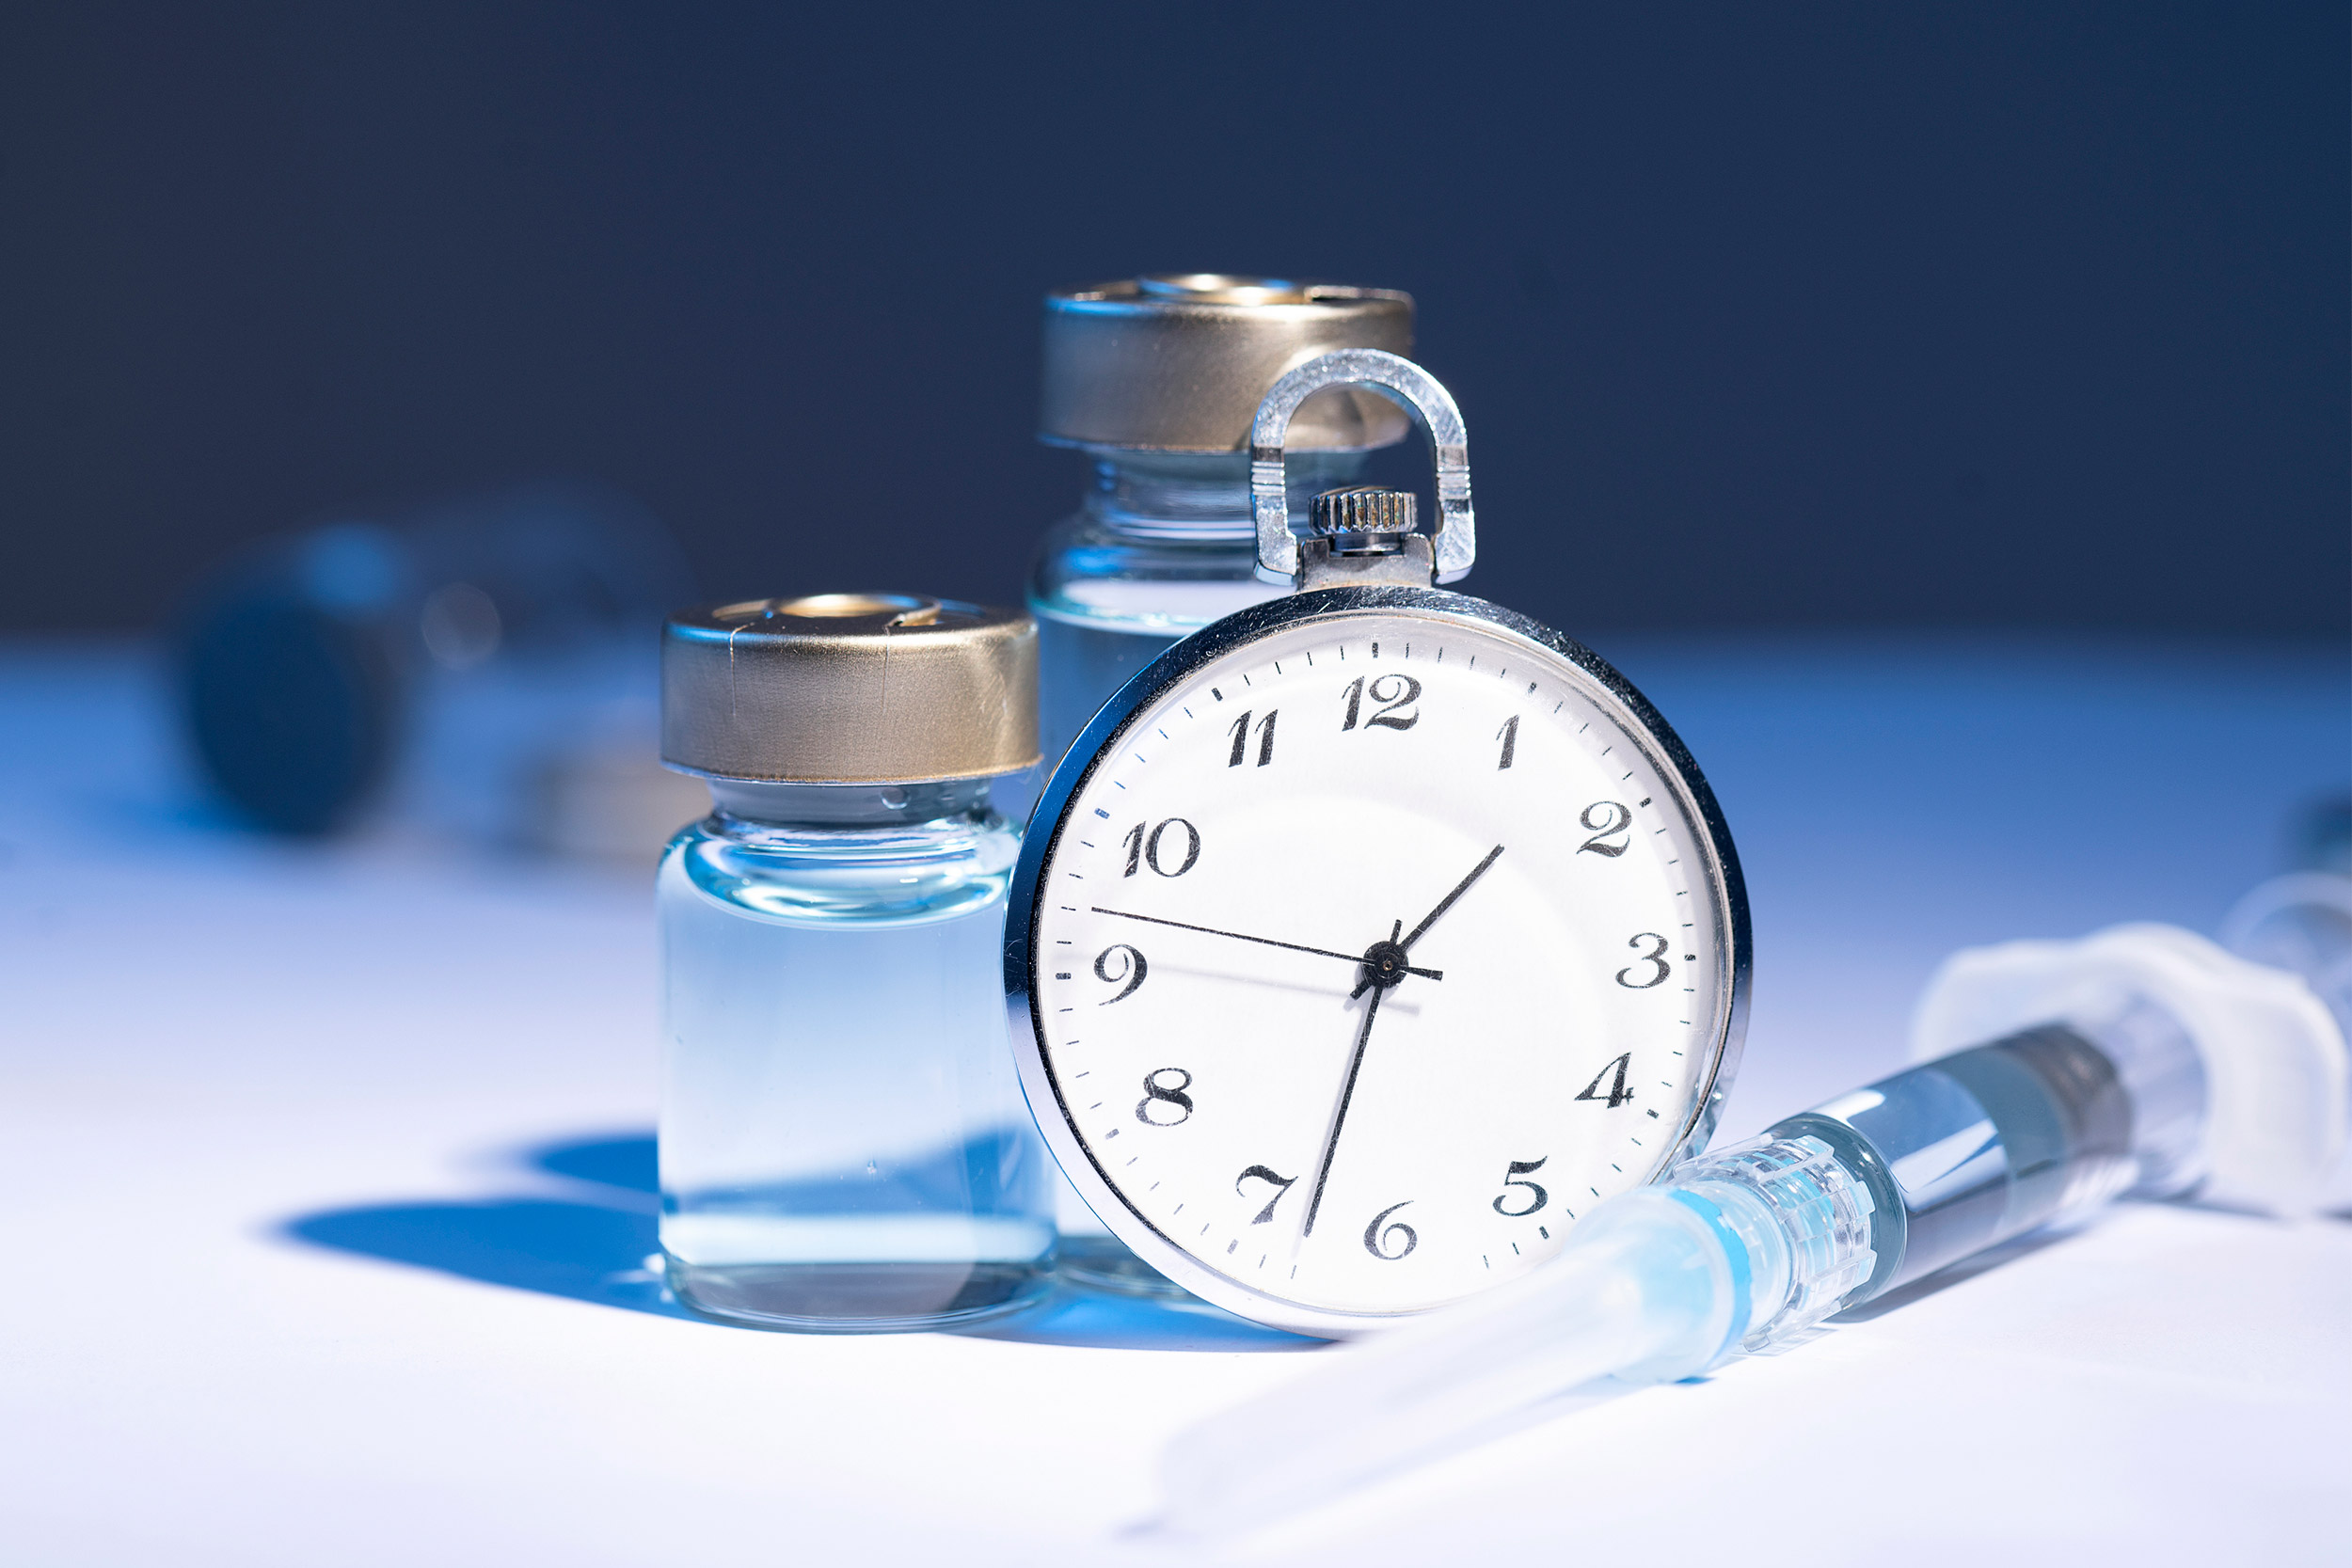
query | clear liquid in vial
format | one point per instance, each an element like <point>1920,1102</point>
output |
<point>844,1144</point>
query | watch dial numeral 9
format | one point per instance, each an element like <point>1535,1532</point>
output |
<point>1280,1183</point>
<point>1156,1094</point>
<point>1656,956</point>
<point>1618,1094</point>
<point>1391,691</point>
<point>1132,969</point>
<point>1535,1195</point>
<point>1240,728</point>
<point>1606,819</point>
<point>1389,1242</point>
<point>1154,849</point>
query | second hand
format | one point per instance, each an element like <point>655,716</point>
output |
<point>1339,1119</point>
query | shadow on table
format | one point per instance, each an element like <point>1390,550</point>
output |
<point>594,1246</point>
<point>599,1243</point>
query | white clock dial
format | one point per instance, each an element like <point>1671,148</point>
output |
<point>1368,954</point>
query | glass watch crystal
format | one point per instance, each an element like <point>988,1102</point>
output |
<point>1373,949</point>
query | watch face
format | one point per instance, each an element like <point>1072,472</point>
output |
<point>1384,934</point>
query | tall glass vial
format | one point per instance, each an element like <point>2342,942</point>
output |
<point>844,1145</point>
<point>1156,380</point>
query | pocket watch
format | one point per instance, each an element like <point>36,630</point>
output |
<point>1373,933</point>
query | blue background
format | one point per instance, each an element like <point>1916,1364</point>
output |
<point>1995,315</point>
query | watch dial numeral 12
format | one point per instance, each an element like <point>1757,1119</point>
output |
<point>1391,691</point>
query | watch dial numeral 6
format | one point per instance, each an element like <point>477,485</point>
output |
<point>1606,819</point>
<point>1391,691</point>
<point>1156,1094</point>
<point>1509,735</point>
<point>1153,850</point>
<point>1618,1094</point>
<point>1240,728</point>
<point>1655,957</point>
<point>1132,969</point>
<point>1535,1195</point>
<point>1280,1183</point>
<point>1379,1237</point>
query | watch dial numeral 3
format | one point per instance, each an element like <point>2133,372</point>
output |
<point>1656,957</point>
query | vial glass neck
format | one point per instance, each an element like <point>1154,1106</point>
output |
<point>758,804</point>
<point>1199,495</point>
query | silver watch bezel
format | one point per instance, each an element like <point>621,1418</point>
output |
<point>1050,818</point>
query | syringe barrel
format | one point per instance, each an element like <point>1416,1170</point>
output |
<point>1969,1150</point>
<point>1964,1152</point>
<point>2234,1072</point>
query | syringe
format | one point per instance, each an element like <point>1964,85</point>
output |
<point>2142,1059</point>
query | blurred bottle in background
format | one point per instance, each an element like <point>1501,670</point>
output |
<point>484,669</point>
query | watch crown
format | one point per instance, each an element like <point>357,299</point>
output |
<point>1363,509</point>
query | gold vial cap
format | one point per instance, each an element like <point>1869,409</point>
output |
<point>1180,361</point>
<point>850,688</point>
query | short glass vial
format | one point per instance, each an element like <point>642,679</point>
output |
<point>844,1146</point>
<point>1157,379</point>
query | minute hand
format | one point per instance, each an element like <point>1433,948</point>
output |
<point>1269,942</point>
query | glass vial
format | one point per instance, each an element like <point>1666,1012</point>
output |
<point>844,1146</point>
<point>1156,380</point>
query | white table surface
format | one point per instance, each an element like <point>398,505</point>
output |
<point>327,1172</point>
